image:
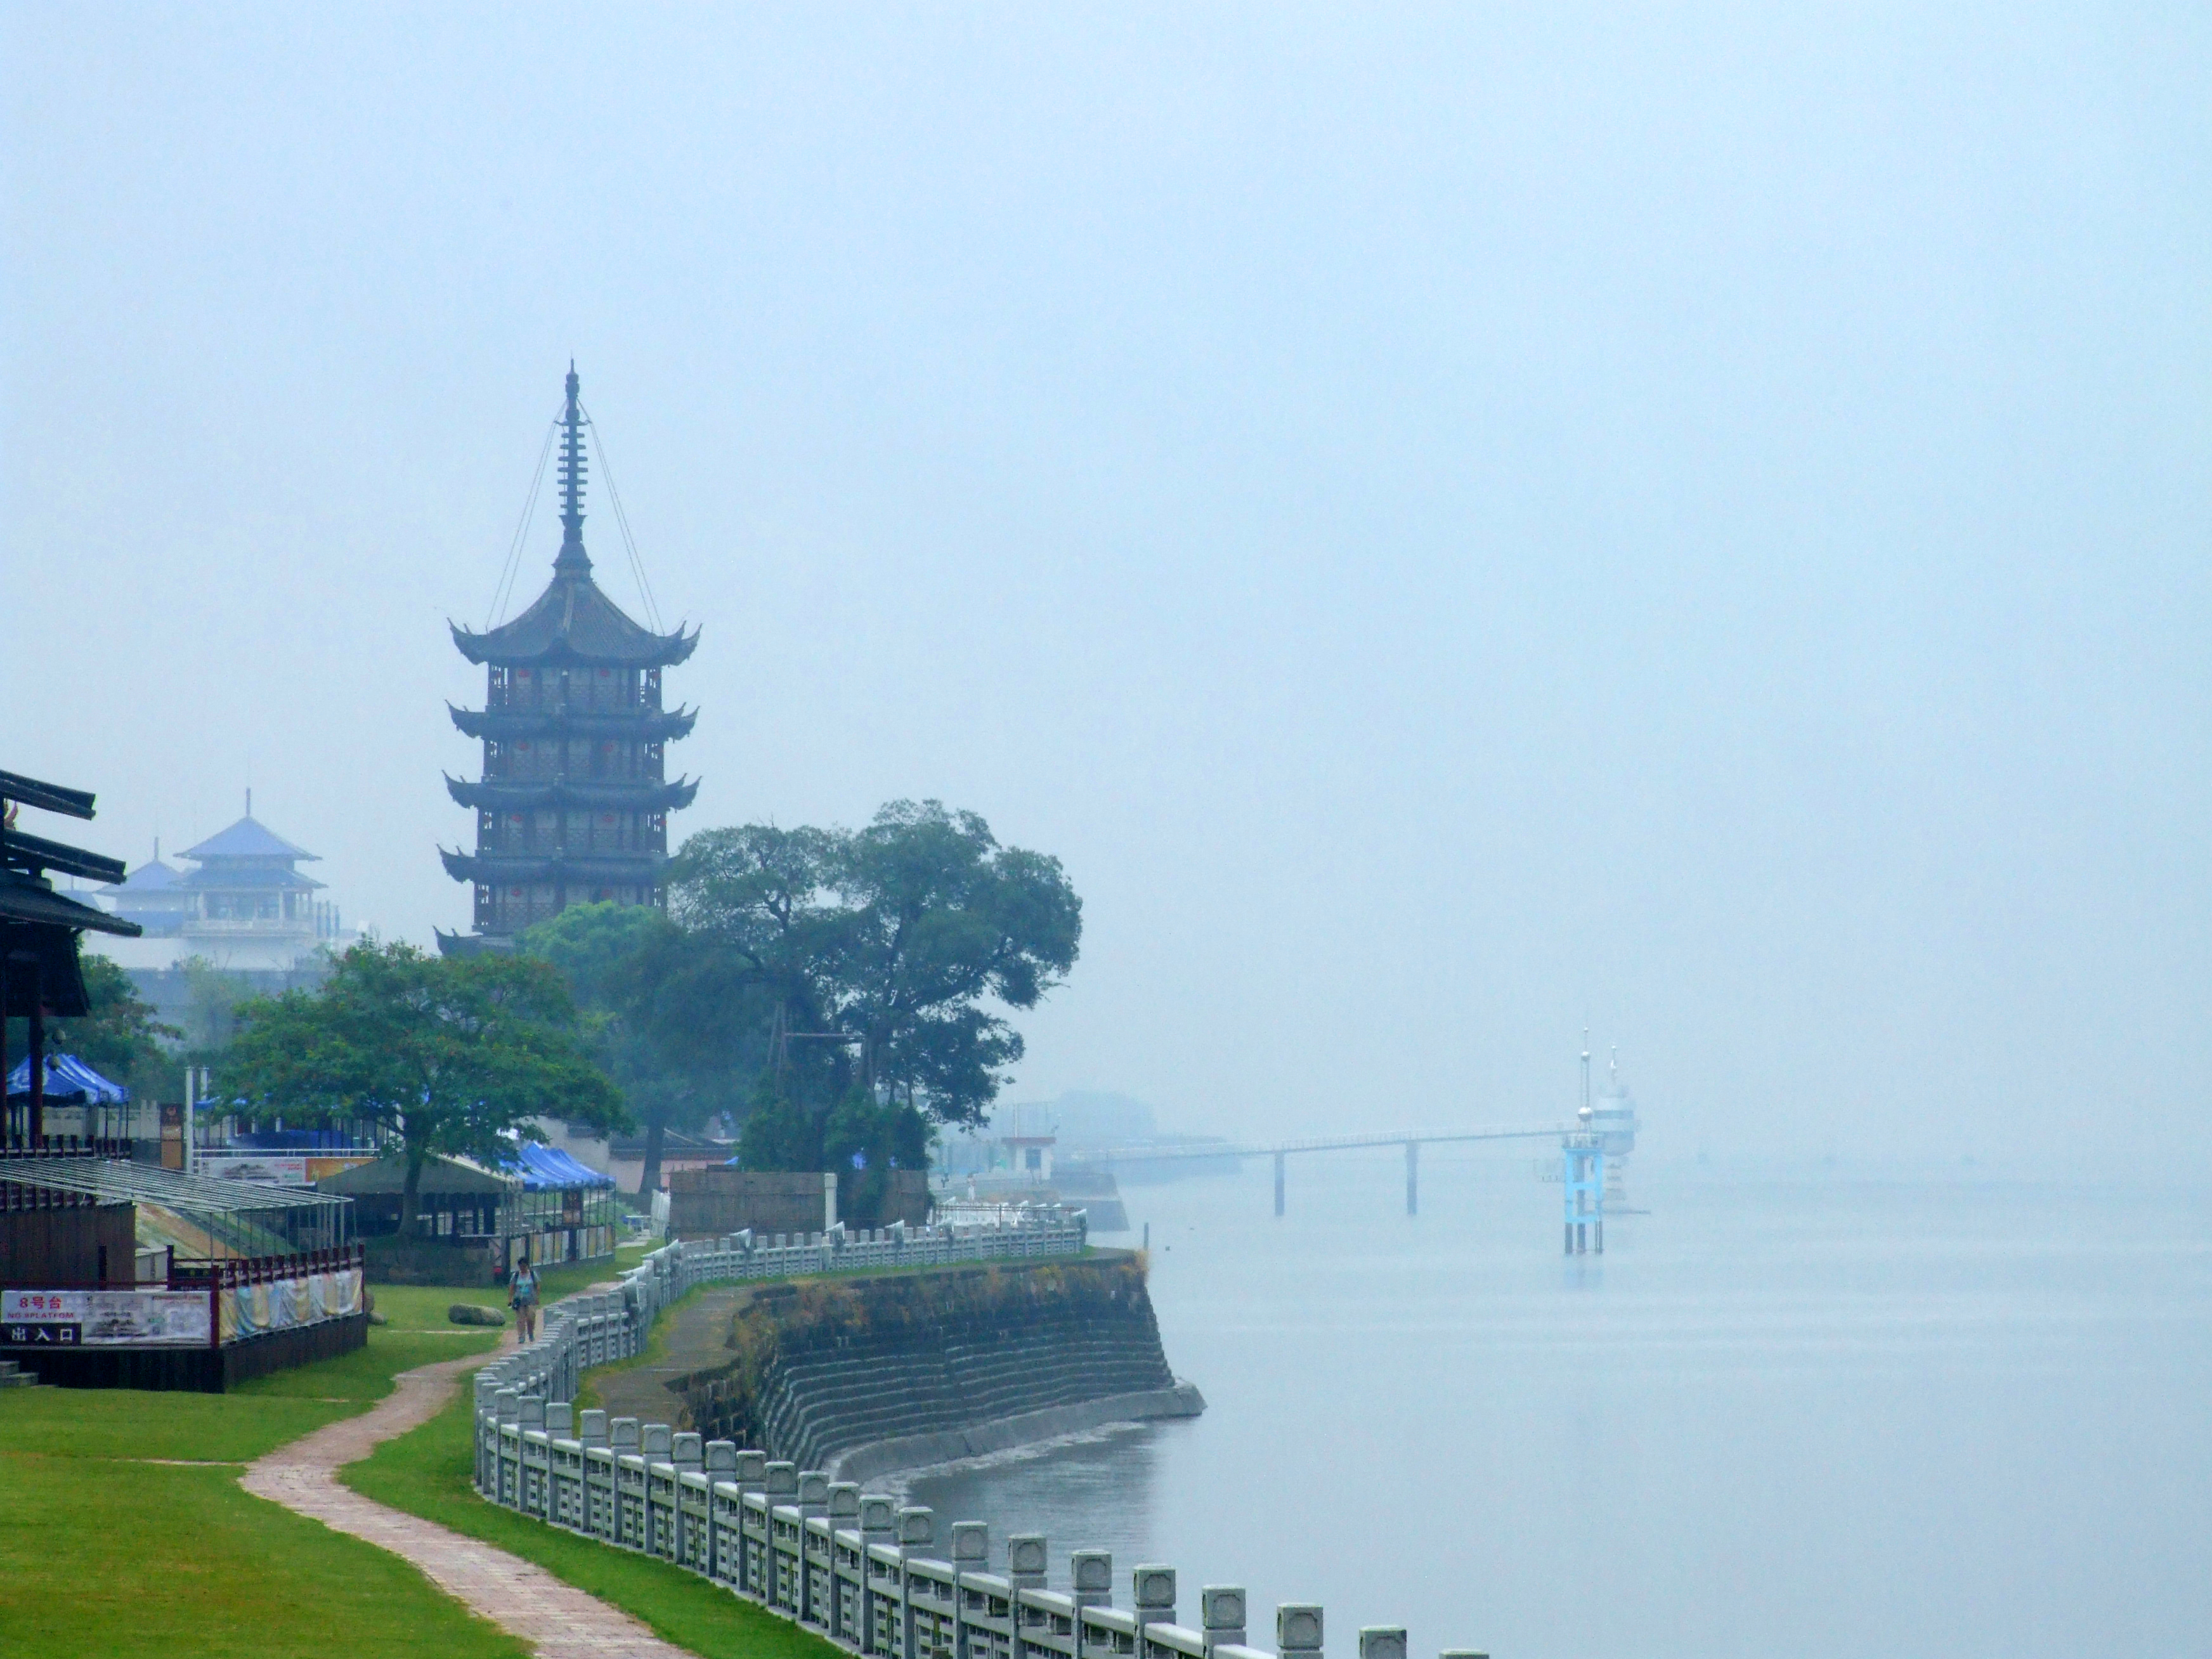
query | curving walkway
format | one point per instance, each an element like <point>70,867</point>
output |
<point>557,1621</point>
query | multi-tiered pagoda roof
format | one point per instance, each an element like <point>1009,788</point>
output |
<point>573,804</point>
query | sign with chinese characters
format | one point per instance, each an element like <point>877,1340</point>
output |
<point>96,1319</point>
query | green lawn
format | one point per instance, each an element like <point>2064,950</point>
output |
<point>426,1473</point>
<point>133,1561</point>
<point>423,1307</point>
<point>103,1553</point>
<point>108,1552</point>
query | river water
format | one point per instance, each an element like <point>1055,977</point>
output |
<point>1816,1415</point>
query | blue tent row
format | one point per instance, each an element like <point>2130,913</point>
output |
<point>69,1081</point>
<point>548,1169</point>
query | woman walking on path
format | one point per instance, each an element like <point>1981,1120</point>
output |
<point>522,1296</point>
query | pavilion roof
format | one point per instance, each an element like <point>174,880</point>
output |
<point>574,621</point>
<point>28,899</point>
<point>249,838</point>
<point>232,876</point>
<point>152,877</point>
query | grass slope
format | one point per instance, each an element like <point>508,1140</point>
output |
<point>426,1473</point>
<point>120,1560</point>
<point>105,1554</point>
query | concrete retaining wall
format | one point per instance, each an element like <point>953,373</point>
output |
<point>819,1371</point>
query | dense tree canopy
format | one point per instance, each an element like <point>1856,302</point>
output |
<point>659,1016</point>
<point>875,965</point>
<point>448,1054</point>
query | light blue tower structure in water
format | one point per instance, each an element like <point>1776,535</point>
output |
<point>1582,1150</point>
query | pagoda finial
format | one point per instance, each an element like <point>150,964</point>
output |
<point>573,559</point>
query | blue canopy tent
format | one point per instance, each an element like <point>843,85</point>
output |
<point>566,1211</point>
<point>549,1169</point>
<point>69,1082</point>
<point>530,1202</point>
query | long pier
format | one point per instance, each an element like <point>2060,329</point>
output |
<point>1412,1140</point>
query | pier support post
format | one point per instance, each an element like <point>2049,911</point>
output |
<point>1279,1184</point>
<point>1412,1178</point>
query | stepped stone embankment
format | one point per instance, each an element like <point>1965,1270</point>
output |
<point>861,1376</point>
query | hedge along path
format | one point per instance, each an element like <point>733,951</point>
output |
<point>557,1621</point>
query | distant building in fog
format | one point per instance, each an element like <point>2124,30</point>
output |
<point>246,912</point>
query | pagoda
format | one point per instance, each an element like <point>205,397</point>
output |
<point>572,806</point>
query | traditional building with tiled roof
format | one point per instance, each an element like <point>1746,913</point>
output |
<point>573,801</point>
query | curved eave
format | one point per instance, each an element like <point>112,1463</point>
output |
<point>494,870</point>
<point>656,724</point>
<point>503,797</point>
<point>665,651</point>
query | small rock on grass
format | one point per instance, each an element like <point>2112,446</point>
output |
<point>475,1312</point>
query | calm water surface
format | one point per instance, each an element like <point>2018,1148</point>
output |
<point>1831,1416</point>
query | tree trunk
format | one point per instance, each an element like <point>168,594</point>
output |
<point>648,1178</point>
<point>411,1193</point>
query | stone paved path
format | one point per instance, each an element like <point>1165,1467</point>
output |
<point>694,1337</point>
<point>556,1620</point>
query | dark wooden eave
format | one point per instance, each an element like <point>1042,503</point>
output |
<point>507,724</point>
<point>573,621</point>
<point>505,795</point>
<point>577,870</point>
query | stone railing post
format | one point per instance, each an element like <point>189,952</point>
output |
<point>879,1517</point>
<point>1298,1629</point>
<point>917,1529</point>
<point>1092,1575</point>
<point>1153,1591</point>
<point>1025,1560</point>
<point>1221,1615</point>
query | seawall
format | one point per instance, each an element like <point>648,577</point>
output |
<point>858,1376</point>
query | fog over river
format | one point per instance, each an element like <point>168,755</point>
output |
<point>1836,1413</point>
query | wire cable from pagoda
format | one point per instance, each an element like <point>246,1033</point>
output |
<point>505,591</point>
<point>621,518</point>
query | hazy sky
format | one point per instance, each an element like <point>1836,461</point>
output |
<point>1450,522</point>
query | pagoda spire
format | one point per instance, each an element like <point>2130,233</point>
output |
<point>573,560</point>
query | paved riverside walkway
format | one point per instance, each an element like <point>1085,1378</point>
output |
<point>693,1336</point>
<point>556,1620</point>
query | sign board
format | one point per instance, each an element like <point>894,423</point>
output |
<point>262,1168</point>
<point>96,1319</point>
<point>275,1169</point>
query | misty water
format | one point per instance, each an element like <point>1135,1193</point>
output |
<point>1827,1414</point>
